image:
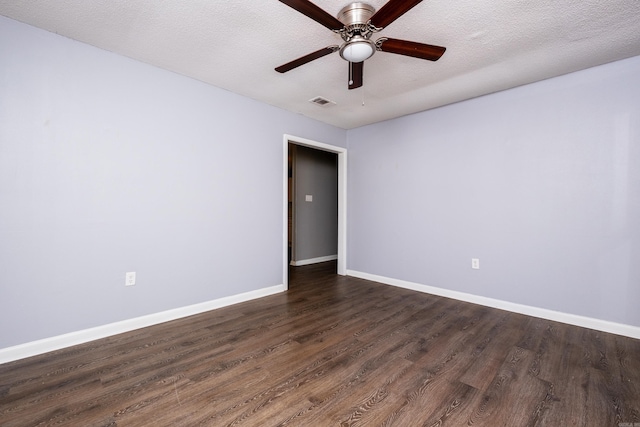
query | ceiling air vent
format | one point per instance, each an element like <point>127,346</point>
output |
<point>322,101</point>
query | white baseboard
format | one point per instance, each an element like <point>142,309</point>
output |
<point>314,260</point>
<point>571,319</point>
<point>33,348</point>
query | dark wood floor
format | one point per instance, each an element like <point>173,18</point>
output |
<point>334,351</point>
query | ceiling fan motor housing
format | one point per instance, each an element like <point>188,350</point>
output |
<point>355,18</point>
<point>356,13</point>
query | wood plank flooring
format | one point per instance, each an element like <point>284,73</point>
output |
<point>334,351</point>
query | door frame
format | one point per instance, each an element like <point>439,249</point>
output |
<point>342,200</point>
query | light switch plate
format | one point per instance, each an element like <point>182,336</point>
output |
<point>308,198</point>
<point>475,263</point>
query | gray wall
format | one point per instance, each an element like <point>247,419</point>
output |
<point>108,165</point>
<point>541,183</point>
<point>316,222</point>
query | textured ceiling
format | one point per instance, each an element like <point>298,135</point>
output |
<point>491,45</point>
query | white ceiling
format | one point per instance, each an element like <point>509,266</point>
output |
<point>491,45</point>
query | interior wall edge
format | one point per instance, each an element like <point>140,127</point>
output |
<point>543,313</point>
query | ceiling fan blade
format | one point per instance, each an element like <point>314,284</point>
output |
<point>415,49</point>
<point>314,12</point>
<point>391,11</point>
<point>307,58</point>
<point>356,71</point>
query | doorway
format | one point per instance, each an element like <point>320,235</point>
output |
<point>313,205</point>
<point>341,202</point>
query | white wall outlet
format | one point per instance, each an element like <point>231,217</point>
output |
<point>130,278</point>
<point>308,198</point>
<point>475,263</point>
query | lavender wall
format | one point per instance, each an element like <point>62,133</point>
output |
<point>108,165</point>
<point>541,183</point>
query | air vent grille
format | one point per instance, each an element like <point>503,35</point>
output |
<point>323,102</point>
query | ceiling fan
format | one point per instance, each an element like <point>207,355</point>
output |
<point>356,23</point>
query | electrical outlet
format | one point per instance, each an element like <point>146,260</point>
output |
<point>130,278</point>
<point>475,263</point>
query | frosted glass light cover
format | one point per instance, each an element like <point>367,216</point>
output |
<point>357,51</point>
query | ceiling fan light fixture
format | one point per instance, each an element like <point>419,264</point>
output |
<point>357,49</point>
